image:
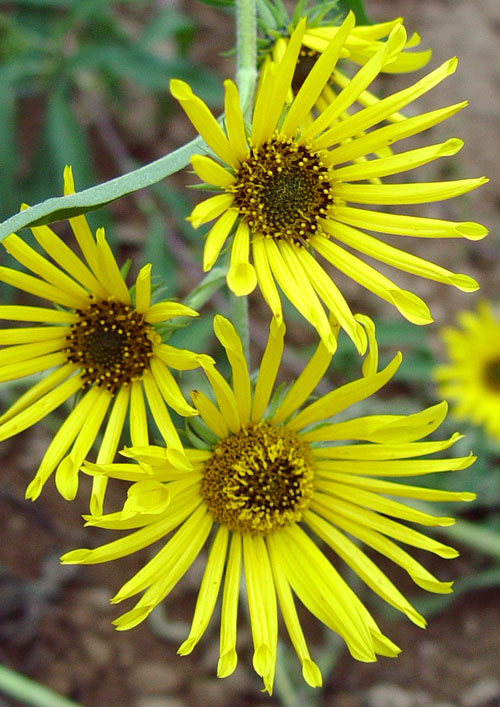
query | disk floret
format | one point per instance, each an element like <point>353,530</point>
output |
<point>282,190</point>
<point>258,479</point>
<point>111,344</point>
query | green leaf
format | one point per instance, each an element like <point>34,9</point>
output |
<point>218,3</point>
<point>64,207</point>
<point>358,8</point>
<point>167,24</point>
<point>8,147</point>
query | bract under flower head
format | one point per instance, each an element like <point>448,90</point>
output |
<point>98,343</point>
<point>287,185</point>
<point>471,378</point>
<point>280,473</point>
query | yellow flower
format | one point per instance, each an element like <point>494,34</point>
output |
<point>272,477</point>
<point>288,189</point>
<point>98,343</point>
<point>360,45</point>
<point>471,379</point>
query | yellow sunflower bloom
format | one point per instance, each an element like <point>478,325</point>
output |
<point>288,190</point>
<point>359,47</point>
<point>272,477</point>
<point>95,342</point>
<point>471,379</point>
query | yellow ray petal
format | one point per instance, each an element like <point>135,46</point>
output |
<point>216,238</point>
<point>304,385</point>
<point>356,85</point>
<point>375,502</point>
<point>408,467</point>
<point>169,388</point>
<point>323,591</point>
<point>241,276</point>
<point>138,418</point>
<point>175,451</point>
<point>66,259</point>
<point>229,612</point>
<point>274,89</point>
<point>40,288</point>
<point>62,441</point>
<point>163,311</point>
<point>406,193</point>
<point>109,445</point>
<point>26,352</point>
<point>41,408</point>
<point>261,596</point>
<point>373,452</point>
<point>396,554</point>
<point>334,300</point>
<point>211,172</point>
<point>265,278</point>
<point>181,359</point>
<point>81,228</point>
<point>398,163</point>
<point>235,125</point>
<point>269,367</point>
<point>378,139</point>
<point>411,307</point>
<point>203,121</point>
<point>209,414</point>
<point>310,670</point>
<point>227,335</point>
<point>125,545</point>
<point>36,314</point>
<point>317,78</point>
<point>35,365</point>
<point>402,225</point>
<point>225,398</point>
<point>143,289</point>
<point>113,280</point>
<point>210,208</point>
<point>68,468</point>
<point>364,567</point>
<point>209,590</point>
<point>298,289</point>
<point>39,265</point>
<point>399,259</point>
<point>36,391</point>
<point>341,398</point>
<point>26,335</point>
<point>368,117</point>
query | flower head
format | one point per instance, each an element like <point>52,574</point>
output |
<point>360,45</point>
<point>97,343</point>
<point>471,378</point>
<point>288,184</point>
<point>274,475</point>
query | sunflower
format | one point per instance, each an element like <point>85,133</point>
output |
<point>360,45</point>
<point>270,479</point>
<point>96,343</point>
<point>471,379</point>
<point>284,189</point>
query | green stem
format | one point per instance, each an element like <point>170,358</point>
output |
<point>246,52</point>
<point>28,692</point>
<point>239,317</point>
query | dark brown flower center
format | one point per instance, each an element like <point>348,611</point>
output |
<point>110,343</point>
<point>305,62</point>
<point>282,190</point>
<point>258,479</point>
<point>491,375</point>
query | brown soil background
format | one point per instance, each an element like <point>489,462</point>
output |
<point>55,621</point>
